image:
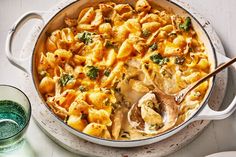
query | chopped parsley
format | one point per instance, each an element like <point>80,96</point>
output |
<point>153,47</point>
<point>186,25</point>
<point>179,60</point>
<point>107,102</point>
<point>149,103</point>
<point>65,79</point>
<point>85,37</point>
<point>146,33</point>
<point>115,105</point>
<point>109,44</point>
<point>158,59</point>
<point>82,88</point>
<point>92,72</point>
<point>153,126</point>
<point>165,73</point>
<point>107,72</point>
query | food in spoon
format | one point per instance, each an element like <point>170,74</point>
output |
<point>93,69</point>
<point>151,114</point>
<point>154,113</point>
<point>144,115</point>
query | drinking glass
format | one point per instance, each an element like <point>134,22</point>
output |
<point>15,113</point>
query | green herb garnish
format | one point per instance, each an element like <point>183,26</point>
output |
<point>115,105</point>
<point>153,47</point>
<point>92,72</point>
<point>107,72</point>
<point>109,44</point>
<point>149,103</point>
<point>166,74</point>
<point>153,126</point>
<point>158,59</point>
<point>146,33</point>
<point>85,37</point>
<point>82,88</point>
<point>179,60</point>
<point>107,102</point>
<point>65,79</point>
<point>186,25</point>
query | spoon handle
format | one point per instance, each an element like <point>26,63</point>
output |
<point>180,96</point>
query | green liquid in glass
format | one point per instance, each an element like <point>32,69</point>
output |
<point>12,118</point>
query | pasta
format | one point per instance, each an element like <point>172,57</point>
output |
<point>99,64</point>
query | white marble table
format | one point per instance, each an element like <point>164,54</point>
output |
<point>218,136</point>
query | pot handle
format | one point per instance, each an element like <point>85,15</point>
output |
<point>21,63</point>
<point>207,113</point>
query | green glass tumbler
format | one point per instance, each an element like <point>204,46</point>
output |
<point>15,113</point>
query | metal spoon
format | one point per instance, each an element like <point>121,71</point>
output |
<point>169,103</point>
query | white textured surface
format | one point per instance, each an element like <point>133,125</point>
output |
<point>219,136</point>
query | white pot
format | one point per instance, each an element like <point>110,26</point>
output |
<point>52,21</point>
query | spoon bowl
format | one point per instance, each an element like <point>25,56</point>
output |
<point>169,104</point>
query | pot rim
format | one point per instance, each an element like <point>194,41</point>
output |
<point>171,131</point>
